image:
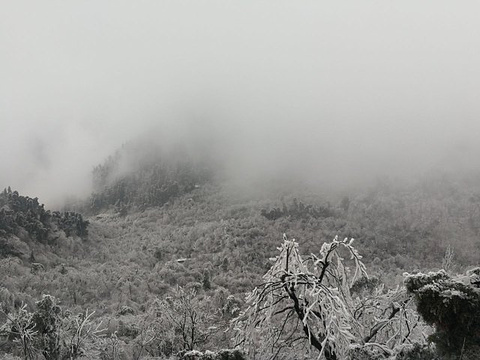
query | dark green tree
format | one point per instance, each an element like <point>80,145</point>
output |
<point>452,306</point>
<point>47,322</point>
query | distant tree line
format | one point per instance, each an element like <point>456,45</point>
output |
<point>21,213</point>
<point>298,210</point>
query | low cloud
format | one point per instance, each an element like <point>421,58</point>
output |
<point>340,93</point>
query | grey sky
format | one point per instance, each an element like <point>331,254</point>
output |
<point>329,89</point>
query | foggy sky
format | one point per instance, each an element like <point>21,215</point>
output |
<point>337,90</point>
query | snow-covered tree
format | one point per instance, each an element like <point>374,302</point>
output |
<point>306,305</point>
<point>181,321</point>
<point>452,305</point>
<point>51,332</point>
<point>20,329</point>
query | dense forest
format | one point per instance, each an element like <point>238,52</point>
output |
<point>24,222</point>
<point>169,261</point>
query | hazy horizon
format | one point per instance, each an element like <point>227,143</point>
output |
<point>338,92</point>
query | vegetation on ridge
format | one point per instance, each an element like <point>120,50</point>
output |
<point>137,177</point>
<point>24,219</point>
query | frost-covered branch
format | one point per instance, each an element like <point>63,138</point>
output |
<point>310,300</point>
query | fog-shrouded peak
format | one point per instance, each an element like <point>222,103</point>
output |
<point>327,93</point>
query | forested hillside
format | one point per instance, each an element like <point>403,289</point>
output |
<point>26,226</point>
<point>166,240</point>
<point>144,175</point>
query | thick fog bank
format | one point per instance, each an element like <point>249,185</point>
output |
<point>339,93</point>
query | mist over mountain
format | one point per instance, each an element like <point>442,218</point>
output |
<point>337,93</point>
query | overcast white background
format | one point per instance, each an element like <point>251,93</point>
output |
<point>338,89</point>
